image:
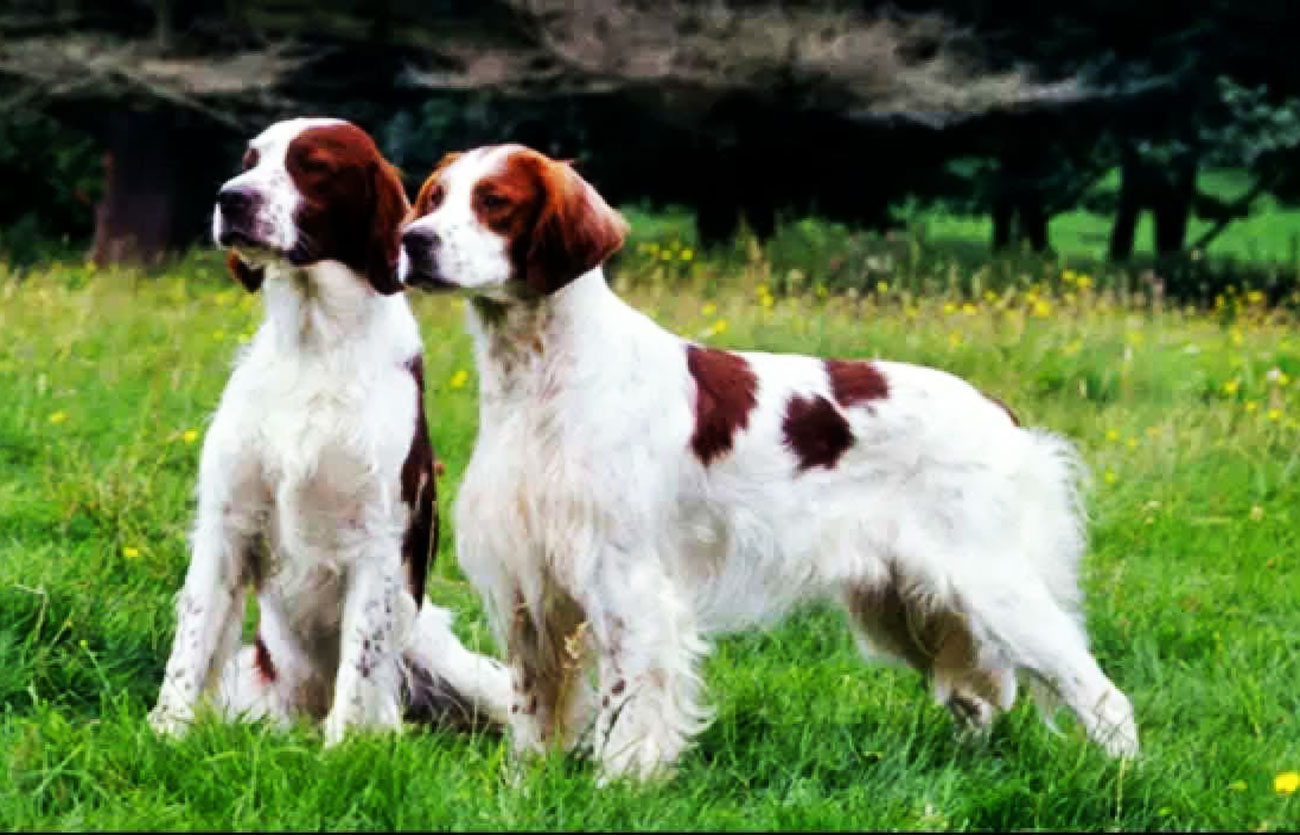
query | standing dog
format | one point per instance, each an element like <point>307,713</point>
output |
<point>316,484</point>
<point>630,490</point>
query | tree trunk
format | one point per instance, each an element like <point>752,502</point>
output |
<point>1124,230</point>
<point>159,181</point>
<point>1033,219</point>
<point>1003,215</point>
<point>133,223</point>
<point>1174,207</point>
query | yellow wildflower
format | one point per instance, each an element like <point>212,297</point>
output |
<point>1085,281</point>
<point>1112,435</point>
<point>882,287</point>
<point>58,417</point>
<point>1251,406</point>
<point>969,309</point>
<point>1287,782</point>
<point>1275,415</point>
<point>459,379</point>
<point>708,309</point>
<point>720,326</point>
<point>190,436</point>
<point>1042,308</point>
<point>1231,387</point>
<point>687,254</point>
<point>130,553</point>
<point>1132,443</point>
<point>949,308</point>
<point>766,301</point>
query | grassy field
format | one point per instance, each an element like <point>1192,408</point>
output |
<point>1189,421</point>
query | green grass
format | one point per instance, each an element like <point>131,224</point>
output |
<point>1192,580</point>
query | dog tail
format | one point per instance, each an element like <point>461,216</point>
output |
<point>446,684</point>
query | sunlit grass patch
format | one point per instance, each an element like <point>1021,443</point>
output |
<point>1188,419</point>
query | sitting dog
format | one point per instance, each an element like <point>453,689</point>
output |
<point>630,490</point>
<point>316,483</point>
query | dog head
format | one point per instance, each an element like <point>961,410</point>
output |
<point>506,220</point>
<point>312,190</point>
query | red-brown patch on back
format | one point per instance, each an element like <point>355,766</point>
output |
<point>726,392</point>
<point>262,660</point>
<point>854,382</point>
<point>1003,406</point>
<point>815,431</point>
<point>557,225</point>
<point>420,494</point>
<point>352,202</point>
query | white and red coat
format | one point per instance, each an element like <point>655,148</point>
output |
<point>316,484</point>
<point>630,491</point>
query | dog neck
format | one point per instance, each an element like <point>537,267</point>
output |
<point>524,345</point>
<point>322,307</point>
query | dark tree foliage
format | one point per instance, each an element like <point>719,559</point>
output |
<point>738,108</point>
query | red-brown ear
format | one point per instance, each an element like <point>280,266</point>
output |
<point>575,232</point>
<point>250,277</point>
<point>390,207</point>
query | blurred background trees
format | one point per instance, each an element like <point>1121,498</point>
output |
<point>118,120</point>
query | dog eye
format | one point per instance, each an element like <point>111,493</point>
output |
<point>317,165</point>
<point>492,202</point>
<point>435,196</point>
<point>250,159</point>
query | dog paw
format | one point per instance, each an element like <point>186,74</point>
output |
<point>169,722</point>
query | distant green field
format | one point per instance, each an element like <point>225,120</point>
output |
<point>1271,233</point>
<point>1189,421</point>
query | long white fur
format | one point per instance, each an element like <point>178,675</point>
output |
<point>304,455</point>
<point>583,485</point>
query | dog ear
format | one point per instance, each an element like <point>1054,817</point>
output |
<point>249,276</point>
<point>389,207</point>
<point>575,231</point>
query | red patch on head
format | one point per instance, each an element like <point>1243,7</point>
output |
<point>419,494</point>
<point>557,225</point>
<point>352,202</point>
<point>726,392</point>
<point>855,382</point>
<point>262,660</point>
<point>431,193</point>
<point>815,431</point>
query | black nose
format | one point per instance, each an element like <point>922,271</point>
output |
<point>420,241</point>
<point>235,201</point>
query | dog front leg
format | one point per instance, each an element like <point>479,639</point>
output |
<point>208,619</point>
<point>649,648</point>
<point>366,691</point>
